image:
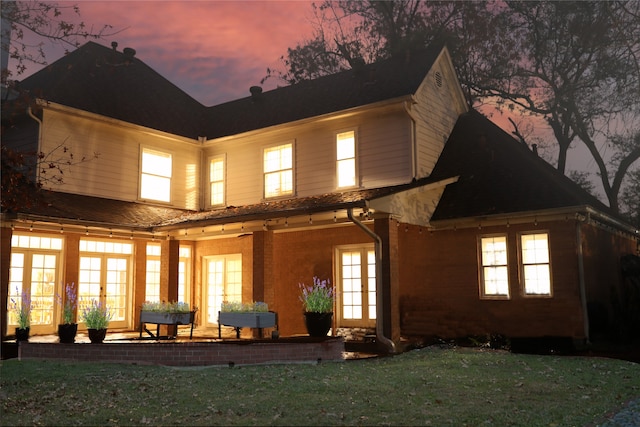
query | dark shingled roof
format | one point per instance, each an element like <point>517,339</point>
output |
<point>100,80</point>
<point>499,175</point>
<point>384,80</point>
<point>104,81</point>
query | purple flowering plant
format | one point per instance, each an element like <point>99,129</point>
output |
<point>317,298</point>
<point>95,314</point>
<point>69,303</point>
<point>22,309</point>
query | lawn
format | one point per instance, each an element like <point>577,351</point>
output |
<point>431,386</point>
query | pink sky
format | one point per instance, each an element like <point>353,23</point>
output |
<point>213,50</point>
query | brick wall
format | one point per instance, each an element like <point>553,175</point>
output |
<point>287,350</point>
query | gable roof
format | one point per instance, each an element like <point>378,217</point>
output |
<point>499,175</point>
<point>104,81</point>
<point>368,84</point>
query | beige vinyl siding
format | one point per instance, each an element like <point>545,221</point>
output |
<point>383,155</point>
<point>436,113</point>
<point>114,173</point>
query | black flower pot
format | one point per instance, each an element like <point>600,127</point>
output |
<point>97,335</point>
<point>22,334</point>
<point>67,332</point>
<point>318,324</point>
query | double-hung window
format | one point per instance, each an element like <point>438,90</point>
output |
<point>346,159</point>
<point>155,177</point>
<point>278,170</point>
<point>216,180</point>
<point>536,268</point>
<point>494,271</point>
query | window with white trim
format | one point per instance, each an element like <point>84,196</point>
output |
<point>152,286</point>
<point>346,159</point>
<point>34,269</point>
<point>494,272</point>
<point>278,170</point>
<point>536,268</point>
<point>222,283</point>
<point>184,273</point>
<point>155,176</point>
<point>356,285</point>
<point>216,181</point>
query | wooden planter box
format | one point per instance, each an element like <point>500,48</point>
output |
<point>239,320</point>
<point>165,318</point>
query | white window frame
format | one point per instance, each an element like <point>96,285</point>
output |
<point>219,182</point>
<point>152,177</point>
<point>278,171</point>
<point>228,288</point>
<point>492,264</point>
<point>153,269</point>
<point>45,314</point>
<point>346,161</point>
<point>535,264</point>
<point>366,298</point>
<point>184,274</point>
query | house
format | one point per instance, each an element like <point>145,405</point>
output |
<point>430,220</point>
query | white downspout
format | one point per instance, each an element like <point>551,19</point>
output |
<point>379,297</point>
<point>39,149</point>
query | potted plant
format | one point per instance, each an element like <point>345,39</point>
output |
<point>246,315</point>
<point>166,313</point>
<point>317,300</point>
<point>96,316</point>
<point>69,303</point>
<point>22,313</point>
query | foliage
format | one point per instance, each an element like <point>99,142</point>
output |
<point>572,67</point>
<point>317,298</point>
<point>96,315</point>
<point>44,21</point>
<point>166,307</point>
<point>239,307</point>
<point>431,386</point>
<point>22,309</point>
<point>69,303</point>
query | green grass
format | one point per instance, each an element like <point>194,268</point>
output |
<point>431,386</point>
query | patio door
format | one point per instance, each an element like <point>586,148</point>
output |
<point>356,286</point>
<point>222,282</point>
<point>34,271</point>
<point>105,276</point>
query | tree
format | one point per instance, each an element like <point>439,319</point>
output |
<point>26,27</point>
<point>31,23</point>
<point>575,65</point>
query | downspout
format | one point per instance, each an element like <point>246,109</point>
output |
<point>583,289</point>
<point>391,346</point>
<point>414,147</point>
<point>39,149</point>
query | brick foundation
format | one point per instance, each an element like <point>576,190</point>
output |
<point>284,350</point>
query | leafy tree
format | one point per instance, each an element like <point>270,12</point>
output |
<point>575,65</point>
<point>31,23</point>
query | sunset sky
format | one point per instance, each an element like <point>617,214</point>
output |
<point>213,50</point>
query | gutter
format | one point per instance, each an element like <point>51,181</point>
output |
<point>391,346</point>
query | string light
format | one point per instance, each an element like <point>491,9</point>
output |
<point>310,220</point>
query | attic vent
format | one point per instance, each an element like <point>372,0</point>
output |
<point>438,78</point>
<point>256,92</point>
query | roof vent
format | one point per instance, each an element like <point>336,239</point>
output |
<point>256,92</point>
<point>114,45</point>
<point>129,52</point>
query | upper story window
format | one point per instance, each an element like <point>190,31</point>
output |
<point>536,269</point>
<point>346,159</point>
<point>278,170</point>
<point>494,272</point>
<point>155,177</point>
<point>216,180</point>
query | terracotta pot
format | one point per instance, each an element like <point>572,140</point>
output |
<point>318,324</point>
<point>67,332</point>
<point>97,335</point>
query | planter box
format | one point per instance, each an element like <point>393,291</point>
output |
<point>239,320</point>
<point>165,318</point>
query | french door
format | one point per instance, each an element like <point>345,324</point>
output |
<point>356,283</point>
<point>222,282</point>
